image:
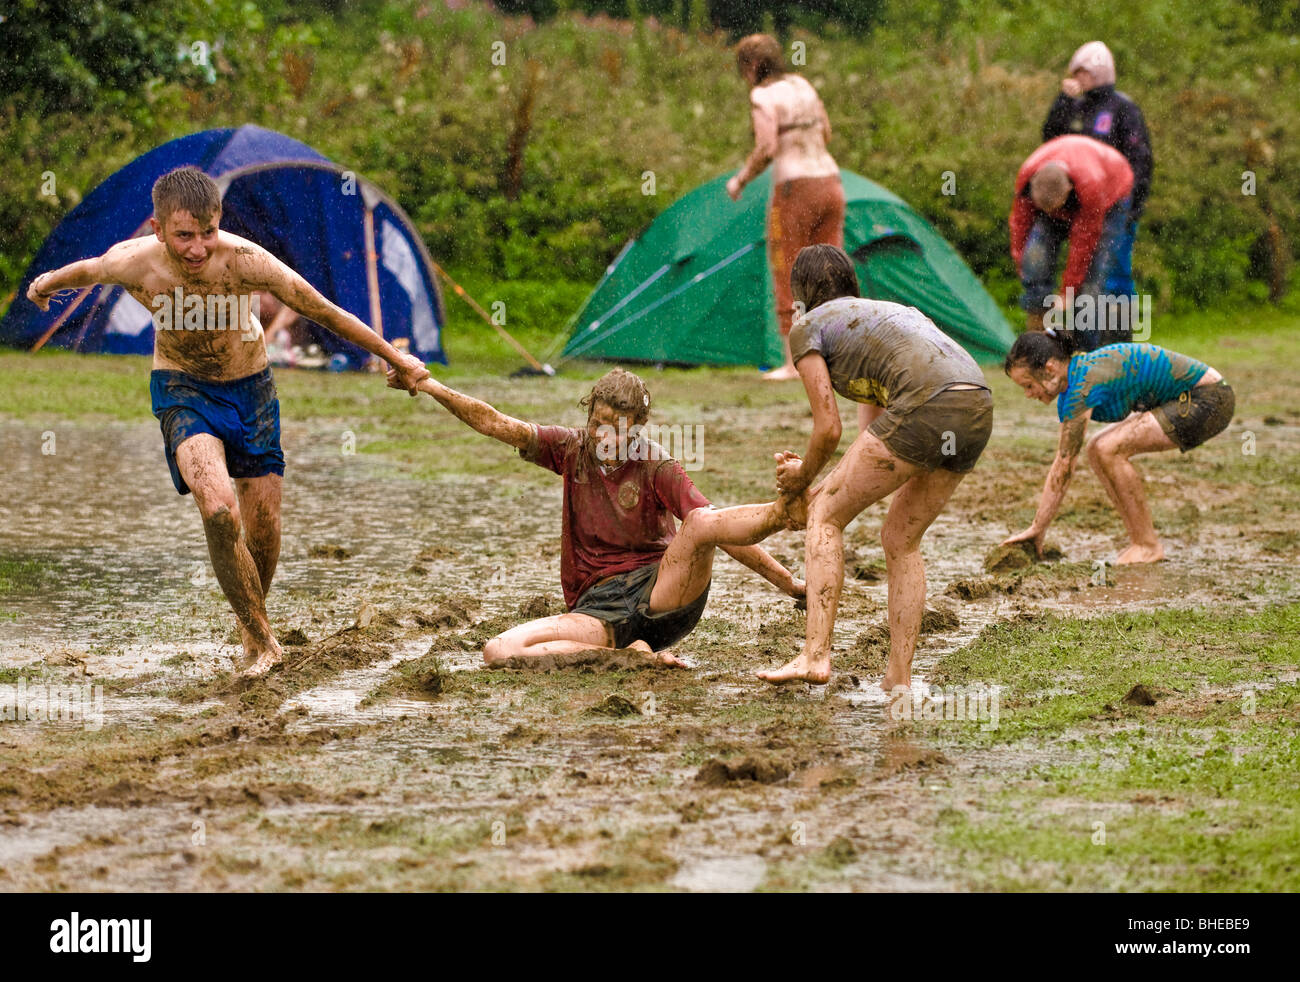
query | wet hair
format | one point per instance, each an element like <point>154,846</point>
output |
<point>185,189</point>
<point>822,273</point>
<point>763,53</point>
<point>623,392</point>
<point>1034,349</point>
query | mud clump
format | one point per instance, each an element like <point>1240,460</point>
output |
<point>450,613</point>
<point>614,707</point>
<point>870,651</point>
<point>868,572</point>
<point>373,623</point>
<point>938,619</point>
<point>840,852</point>
<point>295,638</point>
<point>1139,695</point>
<point>972,588</point>
<point>329,551</point>
<point>539,606</point>
<point>420,678</point>
<point>432,553</point>
<point>1004,559</point>
<point>900,757</point>
<point>1019,555</point>
<point>263,698</point>
<point>719,774</point>
<point>430,680</point>
<point>127,793</point>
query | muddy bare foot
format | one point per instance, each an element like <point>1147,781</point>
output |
<point>783,374</point>
<point>264,662</point>
<point>802,669</point>
<point>894,686</point>
<point>246,658</point>
<point>1140,554</point>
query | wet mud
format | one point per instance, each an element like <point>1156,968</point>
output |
<point>382,754</point>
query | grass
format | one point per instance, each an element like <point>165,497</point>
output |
<point>1196,792</point>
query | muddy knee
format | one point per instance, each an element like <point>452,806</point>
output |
<point>222,524</point>
<point>1098,455</point>
<point>897,542</point>
<point>820,516</point>
<point>697,524</point>
<point>496,651</point>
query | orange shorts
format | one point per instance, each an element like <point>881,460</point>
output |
<point>802,212</point>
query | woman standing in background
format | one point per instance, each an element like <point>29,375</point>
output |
<point>791,131</point>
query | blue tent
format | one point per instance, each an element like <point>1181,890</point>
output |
<point>345,236</point>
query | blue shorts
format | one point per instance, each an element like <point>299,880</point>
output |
<point>244,414</point>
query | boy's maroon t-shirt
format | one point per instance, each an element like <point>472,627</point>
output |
<point>616,521</point>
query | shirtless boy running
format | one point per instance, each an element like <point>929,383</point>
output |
<point>211,385</point>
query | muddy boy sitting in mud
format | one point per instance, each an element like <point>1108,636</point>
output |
<point>211,386</point>
<point>631,579</point>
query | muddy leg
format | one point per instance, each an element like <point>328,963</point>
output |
<point>202,463</point>
<point>1108,455</point>
<point>911,512</point>
<point>259,506</point>
<point>866,474</point>
<point>687,565</point>
<point>557,636</point>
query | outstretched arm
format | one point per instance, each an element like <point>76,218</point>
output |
<point>765,565</point>
<point>262,271</point>
<point>476,414</point>
<point>111,268</point>
<point>1058,479</point>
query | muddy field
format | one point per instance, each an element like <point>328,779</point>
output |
<point>383,756</point>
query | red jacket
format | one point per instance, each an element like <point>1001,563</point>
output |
<point>1101,177</point>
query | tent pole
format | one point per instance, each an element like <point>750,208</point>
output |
<point>372,274</point>
<point>460,292</point>
<point>40,342</point>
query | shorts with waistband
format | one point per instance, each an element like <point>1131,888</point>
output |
<point>949,431</point>
<point>243,413</point>
<point>1199,413</point>
<point>623,603</point>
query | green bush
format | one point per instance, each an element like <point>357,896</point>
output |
<point>409,94</point>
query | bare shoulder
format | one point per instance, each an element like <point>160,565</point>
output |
<point>130,261</point>
<point>241,249</point>
<point>251,264</point>
<point>763,97</point>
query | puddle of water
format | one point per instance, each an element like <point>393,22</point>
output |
<point>338,701</point>
<point>721,874</point>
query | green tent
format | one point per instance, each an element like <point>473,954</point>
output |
<point>696,288</point>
